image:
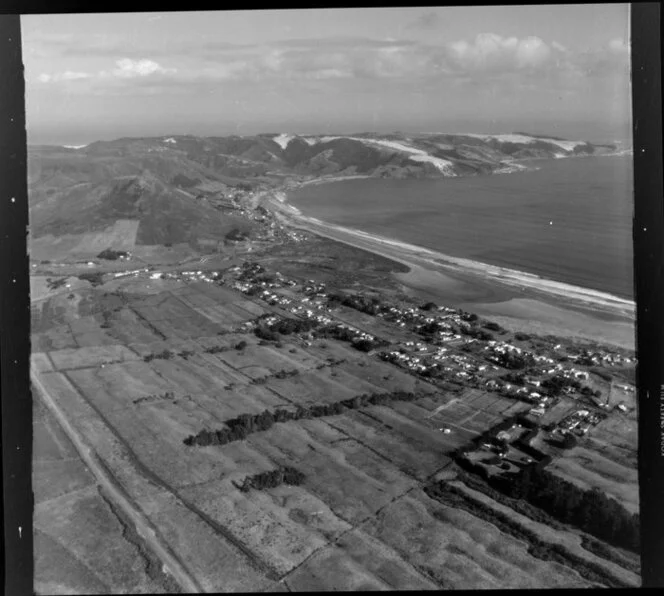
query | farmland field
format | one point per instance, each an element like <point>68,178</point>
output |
<point>165,366</point>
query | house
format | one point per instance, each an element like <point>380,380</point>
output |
<point>537,412</point>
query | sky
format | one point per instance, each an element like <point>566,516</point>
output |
<point>545,69</point>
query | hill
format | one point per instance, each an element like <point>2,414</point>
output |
<point>183,188</point>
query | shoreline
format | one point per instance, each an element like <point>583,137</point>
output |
<point>504,275</point>
<point>511,296</point>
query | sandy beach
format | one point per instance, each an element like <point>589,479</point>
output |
<point>515,299</point>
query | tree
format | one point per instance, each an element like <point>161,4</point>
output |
<point>241,345</point>
<point>429,306</point>
<point>236,235</point>
<point>569,441</point>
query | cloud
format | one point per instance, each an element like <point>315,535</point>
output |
<point>68,75</point>
<point>207,65</point>
<point>490,52</point>
<point>127,68</point>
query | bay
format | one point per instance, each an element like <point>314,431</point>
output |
<point>569,220</point>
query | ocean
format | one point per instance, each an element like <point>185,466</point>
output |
<point>569,220</point>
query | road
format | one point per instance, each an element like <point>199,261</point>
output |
<point>170,562</point>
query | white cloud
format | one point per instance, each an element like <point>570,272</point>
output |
<point>127,68</point>
<point>68,75</point>
<point>532,51</point>
<point>490,52</point>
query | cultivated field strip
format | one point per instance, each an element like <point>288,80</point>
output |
<point>90,356</point>
<point>214,562</point>
<point>570,541</point>
<point>458,549</point>
<point>360,513</point>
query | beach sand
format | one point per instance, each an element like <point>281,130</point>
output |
<point>514,299</point>
<point>542,318</point>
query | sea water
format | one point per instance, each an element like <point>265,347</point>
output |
<point>567,220</point>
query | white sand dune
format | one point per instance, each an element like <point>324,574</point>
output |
<point>283,139</point>
<point>512,138</point>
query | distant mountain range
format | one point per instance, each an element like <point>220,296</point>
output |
<point>169,184</point>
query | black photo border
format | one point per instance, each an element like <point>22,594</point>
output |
<point>648,234</point>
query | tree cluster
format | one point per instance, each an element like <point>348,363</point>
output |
<point>264,332</point>
<point>112,255</point>
<point>241,427</point>
<point>366,345</point>
<point>591,510</point>
<point>514,378</point>
<point>184,181</point>
<point>236,235</point>
<point>429,306</point>
<point>365,304</point>
<point>57,283</point>
<point>569,441</point>
<point>272,479</point>
<point>96,278</point>
<point>165,355</point>
<point>284,374</point>
<point>216,349</point>
<point>515,361</point>
<point>335,332</point>
<point>587,391</point>
<point>289,326</point>
<point>429,329</point>
<point>555,385</point>
<point>491,326</point>
<point>477,333</point>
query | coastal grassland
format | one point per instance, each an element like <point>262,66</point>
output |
<point>547,541</point>
<point>588,469</point>
<point>616,439</point>
<point>358,562</point>
<point>210,557</point>
<point>82,544</point>
<point>457,549</point>
<point>332,262</point>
